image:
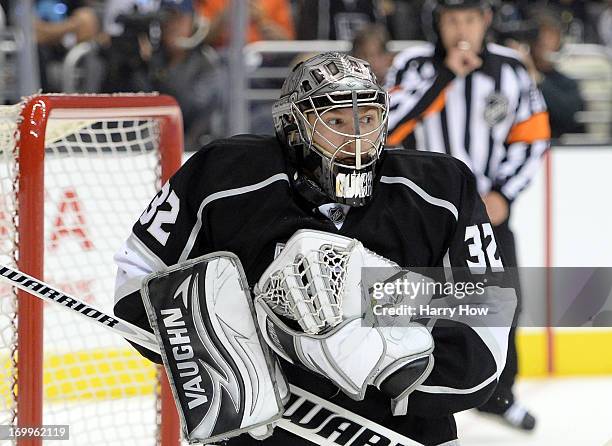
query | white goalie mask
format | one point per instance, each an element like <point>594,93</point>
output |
<point>332,118</point>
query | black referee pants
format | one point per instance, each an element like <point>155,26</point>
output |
<point>503,391</point>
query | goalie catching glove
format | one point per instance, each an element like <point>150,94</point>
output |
<point>309,309</point>
<point>223,378</point>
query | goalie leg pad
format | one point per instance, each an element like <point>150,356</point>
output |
<point>222,375</point>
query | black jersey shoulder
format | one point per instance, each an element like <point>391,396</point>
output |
<point>438,174</point>
<point>230,163</point>
<point>241,154</point>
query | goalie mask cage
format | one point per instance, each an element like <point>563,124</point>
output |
<point>75,173</point>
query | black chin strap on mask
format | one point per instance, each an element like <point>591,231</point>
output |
<point>308,189</point>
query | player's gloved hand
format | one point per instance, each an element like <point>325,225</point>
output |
<point>309,309</point>
<point>407,362</point>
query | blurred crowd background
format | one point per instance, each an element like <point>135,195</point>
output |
<point>182,48</point>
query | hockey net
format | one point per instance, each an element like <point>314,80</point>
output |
<point>102,159</point>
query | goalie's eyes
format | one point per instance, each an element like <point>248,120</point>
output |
<point>368,119</point>
<point>333,122</point>
<point>364,120</point>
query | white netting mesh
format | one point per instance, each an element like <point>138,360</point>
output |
<point>292,293</point>
<point>99,175</point>
<point>8,242</point>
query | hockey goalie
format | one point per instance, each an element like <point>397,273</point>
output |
<point>248,266</point>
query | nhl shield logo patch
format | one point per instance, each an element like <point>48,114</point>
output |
<point>496,108</point>
<point>336,215</point>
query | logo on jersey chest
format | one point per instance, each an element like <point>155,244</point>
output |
<point>496,108</point>
<point>336,214</point>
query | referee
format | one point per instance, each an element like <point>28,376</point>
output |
<point>474,101</point>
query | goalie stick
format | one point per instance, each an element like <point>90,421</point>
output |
<point>335,420</point>
<point>47,293</point>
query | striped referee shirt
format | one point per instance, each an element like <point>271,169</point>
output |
<point>494,119</point>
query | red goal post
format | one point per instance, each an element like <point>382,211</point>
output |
<point>96,131</point>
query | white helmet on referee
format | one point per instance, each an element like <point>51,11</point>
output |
<point>332,119</point>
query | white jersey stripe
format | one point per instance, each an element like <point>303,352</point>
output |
<point>517,154</point>
<point>452,390</point>
<point>225,194</point>
<point>134,261</point>
<point>421,193</point>
<point>420,136</point>
<point>456,120</point>
<point>482,86</point>
<point>528,170</point>
<point>431,134</point>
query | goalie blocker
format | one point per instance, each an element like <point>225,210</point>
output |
<point>223,378</point>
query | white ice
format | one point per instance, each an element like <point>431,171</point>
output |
<point>570,412</point>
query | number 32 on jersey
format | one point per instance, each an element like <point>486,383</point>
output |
<point>166,216</point>
<point>482,253</point>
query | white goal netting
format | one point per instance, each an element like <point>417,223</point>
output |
<point>99,175</point>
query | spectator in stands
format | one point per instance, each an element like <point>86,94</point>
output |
<point>370,44</point>
<point>604,26</point>
<point>178,63</point>
<point>126,46</point>
<point>574,18</point>
<point>59,25</point>
<point>113,9</point>
<point>404,19</point>
<point>188,70</point>
<point>335,19</point>
<point>268,20</point>
<point>561,93</point>
<point>4,13</point>
<point>64,22</point>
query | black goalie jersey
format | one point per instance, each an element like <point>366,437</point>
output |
<point>236,195</point>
